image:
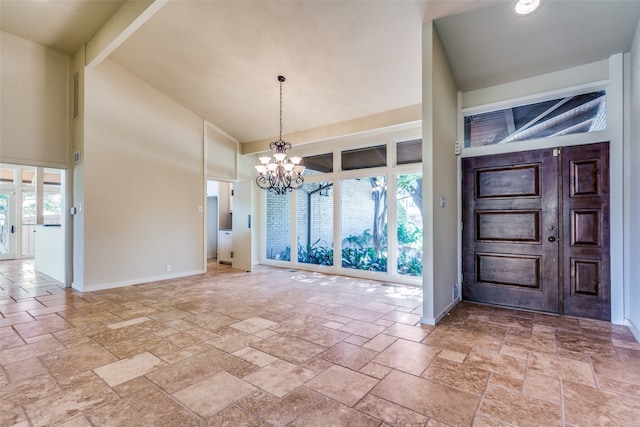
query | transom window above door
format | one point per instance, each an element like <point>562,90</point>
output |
<point>562,116</point>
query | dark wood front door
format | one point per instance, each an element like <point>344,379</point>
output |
<point>535,230</point>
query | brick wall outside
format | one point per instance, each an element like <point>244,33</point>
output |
<point>357,216</point>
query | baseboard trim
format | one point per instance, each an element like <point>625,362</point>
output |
<point>103,286</point>
<point>434,321</point>
<point>634,330</point>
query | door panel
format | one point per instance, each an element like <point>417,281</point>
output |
<point>7,225</point>
<point>536,230</point>
<point>242,226</point>
<point>510,209</point>
<point>587,290</point>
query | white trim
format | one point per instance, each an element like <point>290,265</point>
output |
<point>112,285</point>
<point>442,314</point>
<point>537,144</point>
<point>615,122</point>
<point>634,330</point>
<point>536,98</point>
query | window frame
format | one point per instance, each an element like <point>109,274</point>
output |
<point>391,171</point>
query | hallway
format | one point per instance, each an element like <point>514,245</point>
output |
<point>280,347</point>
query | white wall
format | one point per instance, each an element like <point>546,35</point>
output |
<point>34,104</point>
<point>439,101</point>
<point>633,305</point>
<point>143,183</point>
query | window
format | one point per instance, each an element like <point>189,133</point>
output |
<point>338,220</point>
<point>364,223</point>
<point>362,158</point>
<point>315,223</point>
<point>6,176</point>
<point>315,165</point>
<point>409,232</point>
<point>279,226</point>
<point>28,222</point>
<point>408,152</point>
<point>563,116</point>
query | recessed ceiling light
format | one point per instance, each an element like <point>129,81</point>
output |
<point>526,7</point>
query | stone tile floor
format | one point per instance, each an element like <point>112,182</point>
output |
<point>288,348</point>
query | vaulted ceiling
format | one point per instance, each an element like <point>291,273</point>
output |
<point>343,60</point>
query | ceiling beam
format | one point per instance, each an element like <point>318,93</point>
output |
<point>400,116</point>
<point>126,21</point>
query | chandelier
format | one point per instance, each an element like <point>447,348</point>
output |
<point>280,174</point>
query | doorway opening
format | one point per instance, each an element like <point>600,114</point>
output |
<point>32,220</point>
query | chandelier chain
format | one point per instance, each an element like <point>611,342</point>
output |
<point>280,80</point>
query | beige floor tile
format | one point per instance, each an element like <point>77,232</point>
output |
<point>254,356</point>
<point>301,343</point>
<point>24,369</point>
<point>467,378</point>
<point>289,348</point>
<point>132,386</point>
<point>41,348</point>
<point>407,356</point>
<point>408,332</point>
<point>331,413</point>
<point>230,339</point>
<point>433,400</point>
<point>348,355</point>
<point>127,369</point>
<point>587,406</point>
<point>332,382</point>
<point>363,329</point>
<point>462,340</point>
<point>389,412</point>
<point>401,317</point>
<point>211,321</point>
<point>149,407</point>
<point>74,360</point>
<point>29,390</point>
<point>617,369</point>
<point>622,387</point>
<point>63,406</point>
<point>253,325</point>
<point>189,371</point>
<point>380,342</point>
<point>140,344</point>
<point>516,408</point>
<point>280,377</point>
<point>213,394</point>
<point>569,370</point>
<point>542,387</point>
<point>128,322</point>
<point>496,362</point>
<point>257,401</point>
<point>375,370</point>
<point>235,416</point>
<point>291,406</point>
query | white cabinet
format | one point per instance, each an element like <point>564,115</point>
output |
<point>224,246</point>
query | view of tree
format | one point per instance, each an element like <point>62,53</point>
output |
<point>412,185</point>
<point>379,194</point>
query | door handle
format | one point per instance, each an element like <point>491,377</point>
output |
<point>13,229</point>
<point>552,239</point>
